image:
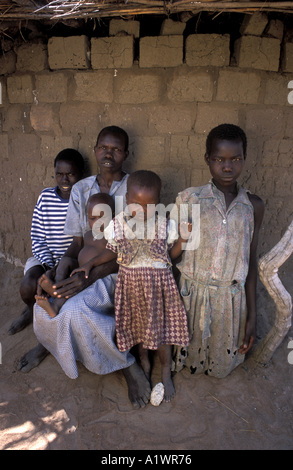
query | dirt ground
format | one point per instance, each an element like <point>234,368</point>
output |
<point>250,409</point>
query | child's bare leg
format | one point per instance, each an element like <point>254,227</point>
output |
<point>28,289</point>
<point>144,360</point>
<point>65,267</point>
<point>165,359</point>
<point>52,308</point>
<point>58,304</point>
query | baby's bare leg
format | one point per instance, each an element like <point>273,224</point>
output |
<point>165,356</point>
<point>65,267</point>
<point>52,308</point>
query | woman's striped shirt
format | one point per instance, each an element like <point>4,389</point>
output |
<point>48,240</point>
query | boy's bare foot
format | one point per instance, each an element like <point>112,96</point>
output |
<point>44,303</point>
<point>47,285</point>
<point>139,390</point>
<point>32,359</point>
<point>22,322</point>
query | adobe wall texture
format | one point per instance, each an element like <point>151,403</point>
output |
<point>61,93</point>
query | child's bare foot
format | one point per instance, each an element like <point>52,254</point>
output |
<point>47,285</point>
<point>168,385</point>
<point>139,389</point>
<point>44,303</point>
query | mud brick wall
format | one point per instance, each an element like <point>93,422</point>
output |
<point>167,91</point>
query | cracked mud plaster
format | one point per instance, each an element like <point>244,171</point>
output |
<point>164,51</point>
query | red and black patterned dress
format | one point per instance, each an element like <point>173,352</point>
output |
<point>148,306</point>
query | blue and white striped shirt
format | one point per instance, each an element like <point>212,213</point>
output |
<point>48,240</point>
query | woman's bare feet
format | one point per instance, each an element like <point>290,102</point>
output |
<point>44,303</point>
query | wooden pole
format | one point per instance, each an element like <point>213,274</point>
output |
<point>268,272</point>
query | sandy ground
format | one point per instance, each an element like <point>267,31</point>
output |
<point>250,409</point>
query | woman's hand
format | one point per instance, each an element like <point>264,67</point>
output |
<point>78,282</point>
<point>70,286</point>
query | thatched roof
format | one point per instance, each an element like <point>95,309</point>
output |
<point>25,19</point>
<point>82,9</point>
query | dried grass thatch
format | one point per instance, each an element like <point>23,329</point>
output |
<point>82,9</point>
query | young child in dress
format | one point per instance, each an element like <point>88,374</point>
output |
<point>91,247</point>
<point>148,309</point>
<point>218,279</point>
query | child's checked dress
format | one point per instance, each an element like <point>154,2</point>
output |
<point>148,307</point>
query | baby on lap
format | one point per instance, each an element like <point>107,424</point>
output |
<point>93,246</point>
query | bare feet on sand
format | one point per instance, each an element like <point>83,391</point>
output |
<point>139,390</point>
<point>22,322</point>
<point>166,369</point>
<point>32,359</point>
<point>44,303</point>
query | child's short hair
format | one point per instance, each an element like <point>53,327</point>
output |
<point>72,156</point>
<point>102,198</point>
<point>115,130</point>
<point>144,179</point>
<point>226,132</point>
